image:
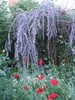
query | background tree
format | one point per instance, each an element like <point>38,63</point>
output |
<point>5,22</point>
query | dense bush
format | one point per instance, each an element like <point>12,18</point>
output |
<point>7,65</point>
<point>5,22</point>
<point>56,48</point>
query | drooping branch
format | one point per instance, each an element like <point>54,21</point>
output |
<point>72,35</point>
<point>27,25</point>
<point>25,28</point>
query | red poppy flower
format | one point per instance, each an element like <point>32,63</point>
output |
<point>25,87</point>
<point>40,63</point>
<point>25,60</point>
<point>49,98</point>
<point>52,96</point>
<point>39,90</point>
<point>54,82</point>
<point>16,76</point>
<point>41,77</point>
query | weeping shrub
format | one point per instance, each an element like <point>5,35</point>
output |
<point>25,27</point>
<point>45,23</point>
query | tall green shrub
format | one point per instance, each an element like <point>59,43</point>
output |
<point>4,23</point>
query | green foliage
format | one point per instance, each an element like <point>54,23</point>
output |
<point>26,5</point>
<point>6,65</point>
<point>2,88</point>
<point>66,72</point>
<point>4,17</point>
<point>2,73</point>
<point>15,87</point>
<point>5,22</point>
<point>23,5</point>
<point>7,16</point>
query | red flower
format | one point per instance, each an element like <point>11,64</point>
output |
<point>54,82</point>
<point>25,87</point>
<point>41,77</point>
<point>52,96</point>
<point>39,90</point>
<point>49,98</point>
<point>16,76</point>
<point>25,60</point>
<point>40,63</point>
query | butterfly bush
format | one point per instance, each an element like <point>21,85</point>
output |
<point>25,28</point>
<point>72,35</point>
<point>27,25</point>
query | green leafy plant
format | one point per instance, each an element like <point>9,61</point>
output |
<point>5,22</point>
<point>6,65</point>
<point>36,85</point>
<point>2,73</point>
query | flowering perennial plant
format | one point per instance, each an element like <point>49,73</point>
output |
<point>25,28</point>
<point>53,96</point>
<point>41,77</point>
<point>40,63</point>
<point>39,90</point>
<point>25,87</point>
<point>16,76</point>
<point>44,87</point>
<point>54,82</point>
